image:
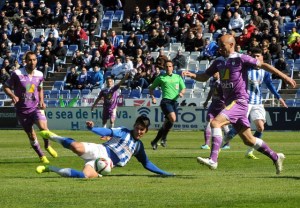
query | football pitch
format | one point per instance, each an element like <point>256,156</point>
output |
<point>238,182</point>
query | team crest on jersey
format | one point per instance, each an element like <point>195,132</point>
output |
<point>30,88</point>
<point>224,74</point>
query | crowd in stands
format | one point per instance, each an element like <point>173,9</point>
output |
<point>148,38</point>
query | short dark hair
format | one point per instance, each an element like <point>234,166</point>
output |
<point>256,50</point>
<point>143,120</point>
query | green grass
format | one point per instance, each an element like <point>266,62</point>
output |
<point>238,182</point>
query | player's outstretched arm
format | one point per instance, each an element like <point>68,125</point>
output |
<point>275,71</point>
<point>98,130</point>
<point>198,77</point>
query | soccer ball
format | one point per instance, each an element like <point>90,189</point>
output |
<point>103,166</point>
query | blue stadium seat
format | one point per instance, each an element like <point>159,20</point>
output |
<point>52,103</point>
<point>145,93</point>
<point>71,49</point>
<point>106,24</point>
<point>65,94</point>
<point>135,93</point>
<point>16,50</point>
<point>58,85</point>
<point>125,93</point>
<point>3,96</point>
<point>290,102</point>
<point>47,94</point>
<point>189,83</point>
<point>85,92</point>
<point>25,48</point>
<point>118,16</point>
<point>54,94</point>
<point>75,93</point>
<point>157,93</point>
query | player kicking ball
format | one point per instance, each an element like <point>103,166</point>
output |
<point>124,144</point>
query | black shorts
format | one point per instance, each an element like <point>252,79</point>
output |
<point>168,106</point>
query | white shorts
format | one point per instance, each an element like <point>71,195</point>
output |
<point>92,152</point>
<point>256,112</point>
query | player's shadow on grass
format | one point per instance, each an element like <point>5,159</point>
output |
<point>285,177</point>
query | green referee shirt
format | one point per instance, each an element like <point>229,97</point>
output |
<point>171,85</point>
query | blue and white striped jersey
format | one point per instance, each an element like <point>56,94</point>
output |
<point>122,144</point>
<point>255,80</point>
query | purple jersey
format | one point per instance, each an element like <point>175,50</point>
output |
<point>110,96</point>
<point>26,89</point>
<point>233,75</point>
<point>217,103</point>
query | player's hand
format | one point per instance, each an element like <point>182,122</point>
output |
<point>283,103</point>
<point>153,100</point>
<point>186,74</point>
<point>42,106</point>
<point>89,124</point>
<point>15,99</point>
<point>290,81</point>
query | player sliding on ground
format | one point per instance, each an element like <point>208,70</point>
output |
<point>124,144</point>
<point>233,68</point>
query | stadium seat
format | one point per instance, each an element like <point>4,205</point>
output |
<point>85,92</point>
<point>24,49</point>
<point>145,93</point>
<point>1,103</point>
<point>75,93</point>
<point>54,94</point>
<point>290,102</point>
<point>3,96</point>
<point>135,93</point>
<point>106,24</point>
<point>118,16</point>
<point>16,49</point>
<point>65,94</point>
<point>125,93</point>
<point>47,94</point>
<point>288,26</point>
<point>39,32</point>
<point>72,49</point>
<point>157,93</point>
<point>52,103</point>
<point>58,85</point>
<point>189,83</point>
<point>193,65</point>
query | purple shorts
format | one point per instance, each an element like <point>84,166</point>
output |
<point>109,113</point>
<point>27,120</point>
<point>236,113</point>
<point>214,109</point>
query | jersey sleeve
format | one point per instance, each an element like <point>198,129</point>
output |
<point>250,61</point>
<point>268,81</point>
<point>102,131</point>
<point>147,164</point>
<point>155,83</point>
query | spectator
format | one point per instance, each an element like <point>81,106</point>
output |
<point>163,40</point>
<point>59,53</point>
<point>161,59</point>
<point>210,49</point>
<point>16,36</point>
<point>175,32</point>
<point>71,80</point>
<point>117,71</point>
<point>93,28</point>
<point>275,49</point>
<point>138,24</point>
<point>295,46</point>
<point>292,36</point>
<point>199,42</point>
<point>244,39</point>
<point>226,19</point>
<point>87,57</point>
<point>144,45</point>
<point>208,13</point>
<point>47,57</point>
<point>11,59</point>
<point>83,79</point>
<point>179,61</point>
<point>236,23</point>
<point>131,49</point>
<point>27,39</point>
<point>102,48</point>
<point>257,20</point>
<point>96,59</point>
<point>114,39</point>
<point>250,27</point>
<point>189,42</point>
<point>286,11</point>
<point>215,24</point>
<point>77,59</point>
<point>109,60</point>
<point>4,75</point>
<point>266,54</point>
<point>96,78</point>
<point>281,65</point>
<point>82,37</point>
